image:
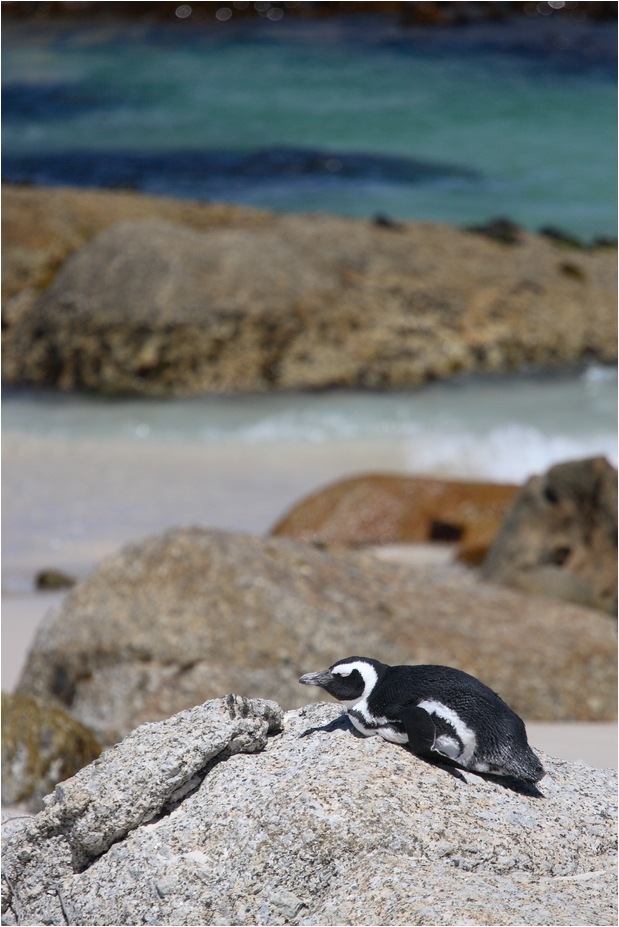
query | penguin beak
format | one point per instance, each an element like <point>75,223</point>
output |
<point>316,679</point>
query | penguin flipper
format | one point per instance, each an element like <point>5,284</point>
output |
<point>420,729</point>
<point>422,736</point>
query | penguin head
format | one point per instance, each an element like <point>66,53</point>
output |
<point>349,680</point>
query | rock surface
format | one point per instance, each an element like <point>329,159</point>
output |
<point>191,613</point>
<point>383,508</point>
<point>42,226</point>
<point>205,819</point>
<point>41,746</point>
<point>560,536</point>
<point>53,579</point>
<point>236,301</point>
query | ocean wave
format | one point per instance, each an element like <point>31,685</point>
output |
<point>510,454</point>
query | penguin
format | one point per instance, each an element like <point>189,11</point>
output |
<point>441,713</point>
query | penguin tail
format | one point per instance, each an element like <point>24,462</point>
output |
<point>528,767</point>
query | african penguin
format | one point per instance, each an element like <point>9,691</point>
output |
<point>439,711</point>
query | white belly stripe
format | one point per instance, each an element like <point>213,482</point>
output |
<point>466,735</point>
<point>378,725</point>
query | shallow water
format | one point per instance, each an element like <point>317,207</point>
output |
<point>497,428</point>
<point>353,116</point>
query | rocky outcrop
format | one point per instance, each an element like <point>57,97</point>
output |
<point>41,746</point>
<point>42,226</point>
<point>191,613</point>
<point>227,821</point>
<point>383,508</point>
<point>560,536</point>
<point>257,302</point>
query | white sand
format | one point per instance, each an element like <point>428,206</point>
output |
<point>70,499</point>
<point>68,503</point>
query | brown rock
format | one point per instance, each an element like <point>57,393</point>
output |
<point>189,614</point>
<point>194,301</point>
<point>53,579</point>
<point>560,536</point>
<point>381,508</point>
<point>41,746</point>
<point>42,226</point>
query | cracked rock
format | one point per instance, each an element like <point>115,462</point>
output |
<point>138,781</point>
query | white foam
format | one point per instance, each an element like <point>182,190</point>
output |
<point>511,453</point>
<point>447,425</point>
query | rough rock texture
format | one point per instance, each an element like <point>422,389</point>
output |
<point>560,536</point>
<point>191,613</point>
<point>42,226</point>
<point>41,746</point>
<point>185,823</point>
<point>383,508</point>
<point>289,302</point>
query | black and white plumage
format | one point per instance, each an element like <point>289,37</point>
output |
<point>439,711</point>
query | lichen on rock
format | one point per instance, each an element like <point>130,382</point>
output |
<point>41,746</point>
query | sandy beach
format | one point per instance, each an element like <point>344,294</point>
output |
<point>68,503</point>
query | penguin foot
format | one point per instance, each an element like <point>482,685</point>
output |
<point>448,768</point>
<point>338,724</point>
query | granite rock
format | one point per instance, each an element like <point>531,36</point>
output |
<point>559,537</point>
<point>206,819</point>
<point>163,306</point>
<point>193,612</point>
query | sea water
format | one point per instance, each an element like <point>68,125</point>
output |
<point>354,116</point>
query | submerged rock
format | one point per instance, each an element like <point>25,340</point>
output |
<point>383,508</point>
<point>190,613</point>
<point>189,301</point>
<point>559,537</point>
<point>41,746</point>
<point>215,817</point>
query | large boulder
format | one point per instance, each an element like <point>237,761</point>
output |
<point>158,307</point>
<point>42,226</point>
<point>41,746</point>
<point>191,613</point>
<point>560,536</point>
<point>383,508</point>
<point>218,816</point>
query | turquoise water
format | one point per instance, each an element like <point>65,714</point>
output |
<point>349,117</point>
